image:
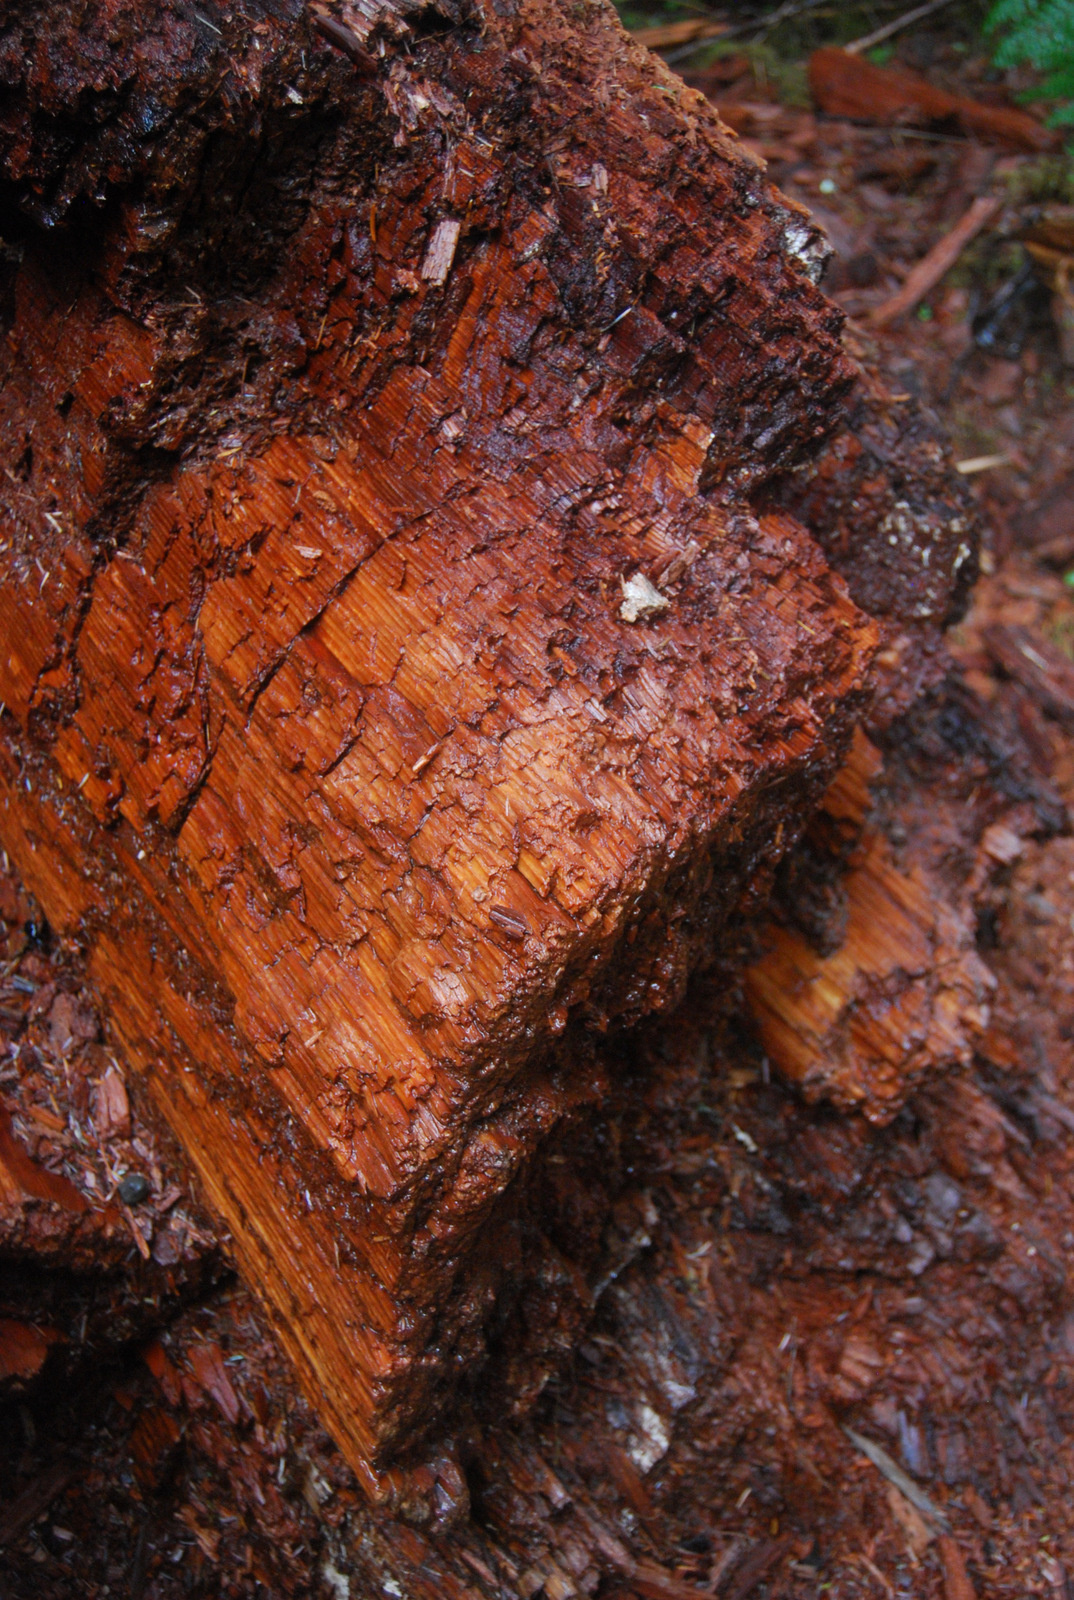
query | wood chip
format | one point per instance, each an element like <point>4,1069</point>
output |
<point>918,1533</point>
<point>974,464</point>
<point>1037,665</point>
<point>441,251</point>
<point>956,1580</point>
<point>207,1366</point>
<point>640,599</point>
<point>110,1107</point>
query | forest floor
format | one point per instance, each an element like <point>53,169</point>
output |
<point>797,1273</point>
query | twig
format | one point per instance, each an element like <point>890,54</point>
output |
<point>940,259</point>
<point>974,464</point>
<point>878,35</point>
<point>790,8</point>
<point>894,1474</point>
<point>757,27</point>
<point>872,1568</point>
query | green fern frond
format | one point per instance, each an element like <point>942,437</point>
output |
<point>1039,33</point>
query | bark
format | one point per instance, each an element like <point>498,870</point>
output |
<point>411,662</point>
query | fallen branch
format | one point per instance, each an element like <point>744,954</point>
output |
<point>939,261</point>
<point>889,29</point>
<point>666,35</point>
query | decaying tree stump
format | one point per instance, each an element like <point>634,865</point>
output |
<point>425,611</point>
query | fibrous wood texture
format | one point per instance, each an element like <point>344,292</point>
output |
<point>872,982</point>
<point>408,661</point>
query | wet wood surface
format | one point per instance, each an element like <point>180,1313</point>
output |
<point>405,672</point>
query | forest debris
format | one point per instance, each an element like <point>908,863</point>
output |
<point>665,36</point>
<point>1037,665</point>
<point>843,85</point>
<point>974,464</point>
<point>441,251</point>
<point>889,29</point>
<point>956,1580</point>
<point>640,598</point>
<point>895,1475</point>
<point>940,259</point>
<point>32,1502</point>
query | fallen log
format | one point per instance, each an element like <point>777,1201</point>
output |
<point>843,85</point>
<point>404,680</point>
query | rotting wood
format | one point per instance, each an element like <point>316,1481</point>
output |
<point>330,457</point>
<point>871,982</point>
<point>903,995</point>
<point>843,85</point>
<point>882,499</point>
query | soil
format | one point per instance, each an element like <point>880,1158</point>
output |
<point>799,1281</point>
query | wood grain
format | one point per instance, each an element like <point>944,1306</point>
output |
<point>330,441</point>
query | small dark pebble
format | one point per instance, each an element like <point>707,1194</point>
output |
<point>133,1189</point>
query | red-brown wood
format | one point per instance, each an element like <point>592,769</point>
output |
<point>405,677</point>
